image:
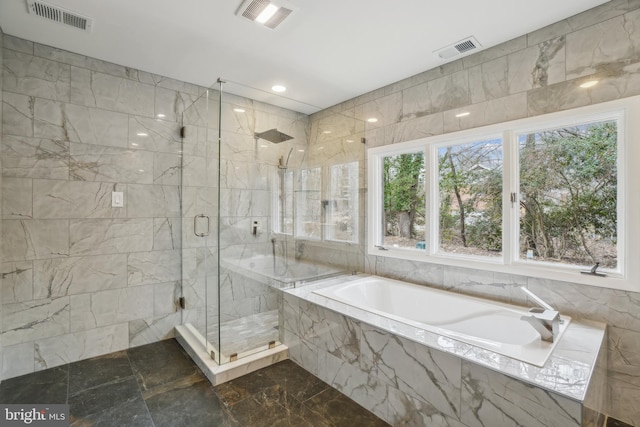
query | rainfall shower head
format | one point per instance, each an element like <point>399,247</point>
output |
<point>273,135</point>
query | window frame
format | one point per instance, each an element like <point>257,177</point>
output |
<point>625,277</point>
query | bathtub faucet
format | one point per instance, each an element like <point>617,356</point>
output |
<point>544,319</point>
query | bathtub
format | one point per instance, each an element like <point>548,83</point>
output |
<point>490,325</point>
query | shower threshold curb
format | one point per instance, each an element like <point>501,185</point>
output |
<point>193,344</point>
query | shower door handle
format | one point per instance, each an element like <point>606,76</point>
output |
<point>195,225</point>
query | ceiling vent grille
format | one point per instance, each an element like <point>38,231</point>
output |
<point>60,15</point>
<point>464,46</point>
<point>251,9</point>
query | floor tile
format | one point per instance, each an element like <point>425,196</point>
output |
<point>102,398</point>
<point>160,363</point>
<point>48,386</point>
<point>241,388</point>
<point>98,371</point>
<point>194,405</point>
<point>342,411</point>
<point>132,413</point>
<point>612,422</point>
<point>295,380</point>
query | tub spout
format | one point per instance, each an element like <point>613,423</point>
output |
<point>545,320</point>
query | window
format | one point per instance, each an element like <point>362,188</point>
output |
<point>470,191</point>
<point>309,204</point>
<point>568,194</point>
<point>542,197</point>
<point>326,203</point>
<point>341,208</point>
<point>404,202</point>
<point>283,208</point>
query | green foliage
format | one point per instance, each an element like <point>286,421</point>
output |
<point>404,188</point>
<point>568,186</point>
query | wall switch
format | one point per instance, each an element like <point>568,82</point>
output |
<point>117,199</point>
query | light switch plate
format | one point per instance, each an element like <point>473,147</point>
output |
<point>117,199</point>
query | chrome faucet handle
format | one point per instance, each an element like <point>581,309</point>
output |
<point>537,299</point>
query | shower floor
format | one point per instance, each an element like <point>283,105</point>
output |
<point>246,335</point>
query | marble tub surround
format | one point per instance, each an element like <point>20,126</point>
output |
<point>407,369</point>
<point>78,277</point>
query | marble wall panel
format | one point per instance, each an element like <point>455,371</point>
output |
<point>17,360</point>
<point>106,236</point>
<point>34,76</point>
<point>172,103</point>
<point>488,400</point>
<point>17,114</point>
<point>17,200</point>
<point>54,278</point>
<point>489,80</point>
<point>94,89</point>
<point>49,119</point>
<point>74,199</point>
<point>167,233</point>
<point>428,375</point>
<point>68,348</point>
<point>97,309</point>
<point>99,163</point>
<point>165,297</point>
<point>77,60</point>
<point>155,135</point>
<point>153,329</point>
<point>167,169</point>
<point>148,201</point>
<point>31,320</point>
<point>616,40</point>
<point>537,66</point>
<point>16,281</point>
<point>17,44</point>
<point>24,157</point>
<point>153,267</point>
<point>34,239</point>
<point>96,126</point>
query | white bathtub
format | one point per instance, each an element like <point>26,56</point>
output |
<point>490,325</point>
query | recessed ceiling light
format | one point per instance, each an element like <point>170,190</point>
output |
<point>267,13</point>
<point>372,120</point>
<point>590,83</point>
<point>160,116</point>
<point>278,88</point>
<point>239,110</point>
<point>463,114</point>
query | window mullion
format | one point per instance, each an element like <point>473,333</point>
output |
<point>510,209</point>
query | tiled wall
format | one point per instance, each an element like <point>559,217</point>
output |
<point>80,278</point>
<point>534,74</point>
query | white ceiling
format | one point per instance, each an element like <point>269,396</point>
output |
<point>328,51</point>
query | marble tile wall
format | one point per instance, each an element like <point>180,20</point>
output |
<point>534,74</point>
<point>80,278</point>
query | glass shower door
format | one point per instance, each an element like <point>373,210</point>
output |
<point>200,198</point>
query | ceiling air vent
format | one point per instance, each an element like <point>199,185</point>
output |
<point>60,15</point>
<point>266,12</point>
<point>463,46</point>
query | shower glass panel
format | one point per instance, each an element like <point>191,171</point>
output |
<point>260,183</point>
<point>200,218</point>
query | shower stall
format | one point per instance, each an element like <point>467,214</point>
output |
<point>252,210</point>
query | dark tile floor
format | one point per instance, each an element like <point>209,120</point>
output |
<point>159,385</point>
